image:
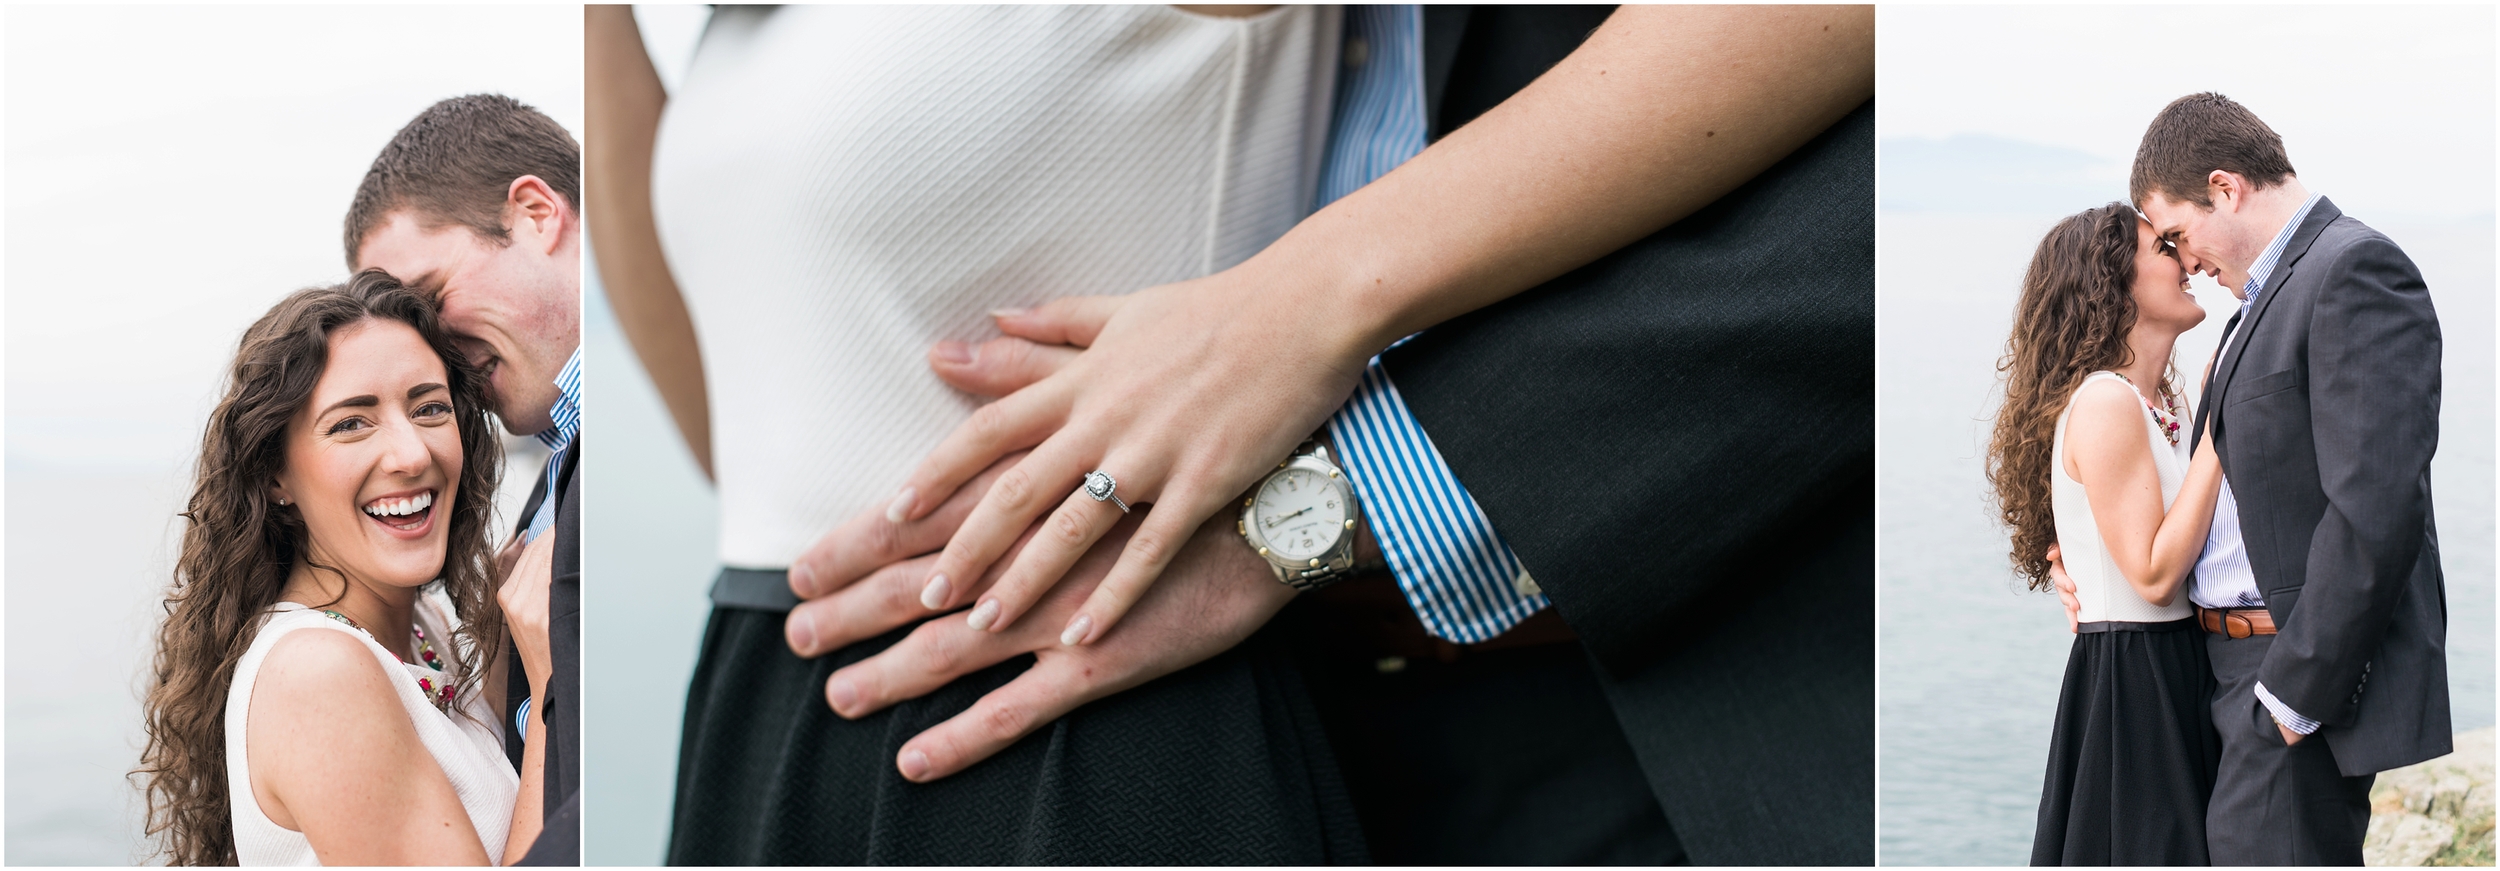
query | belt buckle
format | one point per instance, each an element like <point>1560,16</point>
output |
<point>2228,618</point>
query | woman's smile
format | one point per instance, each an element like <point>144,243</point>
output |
<point>407,515</point>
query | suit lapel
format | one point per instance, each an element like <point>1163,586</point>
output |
<point>1444,25</point>
<point>2219,386</point>
<point>2205,392</point>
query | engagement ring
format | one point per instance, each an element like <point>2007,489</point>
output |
<point>1099,486</point>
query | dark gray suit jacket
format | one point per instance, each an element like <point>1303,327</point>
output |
<point>2325,412</point>
<point>559,843</point>
<point>1678,441</point>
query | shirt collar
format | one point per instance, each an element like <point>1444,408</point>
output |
<point>567,412</point>
<point>2264,267</point>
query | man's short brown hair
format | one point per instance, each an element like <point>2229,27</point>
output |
<point>2200,133</point>
<point>454,164</point>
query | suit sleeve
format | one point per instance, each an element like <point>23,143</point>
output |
<point>1646,428</point>
<point>2373,376</point>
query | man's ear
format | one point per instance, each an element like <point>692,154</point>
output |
<point>536,215</point>
<point>2227,190</point>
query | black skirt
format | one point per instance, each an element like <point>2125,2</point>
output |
<point>2132,763</point>
<point>1224,762</point>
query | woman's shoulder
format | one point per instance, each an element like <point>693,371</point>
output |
<point>322,694</point>
<point>2106,393</point>
<point>313,667</point>
<point>2106,415</point>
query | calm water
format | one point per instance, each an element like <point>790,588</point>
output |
<point>1969,662</point>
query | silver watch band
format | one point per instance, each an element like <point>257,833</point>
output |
<point>1322,572</point>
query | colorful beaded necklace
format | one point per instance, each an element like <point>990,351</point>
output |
<point>447,692</point>
<point>2167,419</point>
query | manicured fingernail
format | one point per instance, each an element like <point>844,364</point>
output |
<point>1007,312</point>
<point>802,634</point>
<point>983,615</point>
<point>958,353</point>
<point>934,595</point>
<point>915,765</point>
<point>1076,630</point>
<point>803,580</point>
<point>901,506</point>
<point>842,693</point>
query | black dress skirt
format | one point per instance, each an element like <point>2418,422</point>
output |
<point>2132,763</point>
<point>1224,762</point>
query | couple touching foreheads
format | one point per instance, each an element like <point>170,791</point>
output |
<point>2255,586</point>
<point>348,671</point>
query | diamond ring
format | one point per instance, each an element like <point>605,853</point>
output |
<point>1100,486</point>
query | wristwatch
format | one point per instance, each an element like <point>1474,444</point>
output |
<point>1301,519</point>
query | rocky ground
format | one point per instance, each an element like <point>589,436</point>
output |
<point>2435,813</point>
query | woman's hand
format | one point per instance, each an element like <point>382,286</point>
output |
<point>524,598</point>
<point>1186,394</point>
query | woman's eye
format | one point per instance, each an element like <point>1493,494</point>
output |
<point>349,425</point>
<point>434,409</point>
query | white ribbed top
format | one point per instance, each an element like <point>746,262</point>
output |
<point>470,752</point>
<point>2099,586</point>
<point>839,187</point>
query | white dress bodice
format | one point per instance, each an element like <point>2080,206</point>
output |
<point>2101,589</point>
<point>469,748</point>
<point>837,188</point>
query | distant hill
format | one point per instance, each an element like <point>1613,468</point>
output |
<point>1982,174</point>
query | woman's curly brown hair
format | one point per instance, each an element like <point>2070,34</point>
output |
<point>240,547</point>
<point>2077,306</point>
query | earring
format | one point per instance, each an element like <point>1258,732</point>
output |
<point>282,500</point>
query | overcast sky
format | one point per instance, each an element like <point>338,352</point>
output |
<point>172,171</point>
<point>2386,109</point>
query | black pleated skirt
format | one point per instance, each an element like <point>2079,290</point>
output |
<point>1221,763</point>
<point>2132,762</point>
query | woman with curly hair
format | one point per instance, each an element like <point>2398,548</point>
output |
<point>324,677</point>
<point>2090,461</point>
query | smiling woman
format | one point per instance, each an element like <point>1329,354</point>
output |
<point>344,484</point>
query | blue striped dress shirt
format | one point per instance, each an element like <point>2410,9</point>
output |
<point>568,423</point>
<point>1462,580</point>
<point>559,438</point>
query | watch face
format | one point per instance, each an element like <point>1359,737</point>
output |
<point>1301,513</point>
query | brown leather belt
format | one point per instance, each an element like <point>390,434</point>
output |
<point>2235,622</point>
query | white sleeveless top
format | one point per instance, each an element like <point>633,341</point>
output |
<point>839,187</point>
<point>470,752</point>
<point>2099,586</point>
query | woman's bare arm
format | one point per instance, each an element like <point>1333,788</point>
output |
<point>2106,450</point>
<point>333,755</point>
<point>623,120</point>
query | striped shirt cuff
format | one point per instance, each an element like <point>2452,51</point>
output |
<point>1463,582</point>
<point>2285,715</point>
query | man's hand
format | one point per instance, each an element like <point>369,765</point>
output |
<point>1215,594</point>
<point>2065,590</point>
<point>2289,737</point>
<point>870,575</point>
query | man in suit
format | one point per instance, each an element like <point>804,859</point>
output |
<point>2320,583</point>
<point>1677,438</point>
<point>475,204</point>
